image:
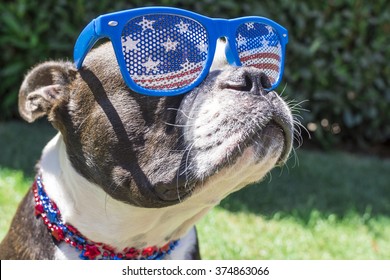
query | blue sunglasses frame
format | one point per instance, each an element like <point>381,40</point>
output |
<point>111,26</point>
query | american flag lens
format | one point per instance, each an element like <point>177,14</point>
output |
<point>259,45</point>
<point>164,51</point>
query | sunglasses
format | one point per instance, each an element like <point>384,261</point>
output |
<point>165,51</point>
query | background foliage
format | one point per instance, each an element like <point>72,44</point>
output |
<point>337,58</point>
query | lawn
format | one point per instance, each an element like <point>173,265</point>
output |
<point>332,205</point>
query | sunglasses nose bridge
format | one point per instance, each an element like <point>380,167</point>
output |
<point>221,28</point>
<point>222,31</point>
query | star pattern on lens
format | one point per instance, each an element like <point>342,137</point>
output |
<point>151,65</point>
<point>241,40</point>
<point>169,45</point>
<point>146,24</point>
<point>264,42</point>
<point>183,27</point>
<point>130,44</point>
<point>270,29</point>
<point>202,47</point>
<point>250,25</point>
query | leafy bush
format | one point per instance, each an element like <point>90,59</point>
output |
<point>337,58</point>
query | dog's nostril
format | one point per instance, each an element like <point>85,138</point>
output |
<point>248,83</point>
<point>244,84</point>
<point>265,81</point>
<point>247,80</point>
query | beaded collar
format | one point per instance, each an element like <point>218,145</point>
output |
<point>89,250</point>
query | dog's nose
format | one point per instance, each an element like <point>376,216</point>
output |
<point>247,79</point>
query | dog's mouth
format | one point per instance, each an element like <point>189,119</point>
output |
<point>199,165</point>
<point>271,140</point>
<point>173,195</point>
<point>261,141</point>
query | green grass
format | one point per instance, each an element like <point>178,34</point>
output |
<point>333,205</point>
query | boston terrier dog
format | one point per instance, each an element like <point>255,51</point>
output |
<point>128,175</point>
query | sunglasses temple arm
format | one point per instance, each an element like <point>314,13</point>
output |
<point>84,43</point>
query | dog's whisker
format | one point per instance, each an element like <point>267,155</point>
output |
<point>178,125</point>
<point>181,111</point>
<point>296,158</point>
<point>300,126</point>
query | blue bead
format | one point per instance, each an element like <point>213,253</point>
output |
<point>52,217</point>
<point>81,256</point>
<point>159,256</point>
<point>152,257</point>
<point>79,239</point>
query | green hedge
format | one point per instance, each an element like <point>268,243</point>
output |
<point>338,57</point>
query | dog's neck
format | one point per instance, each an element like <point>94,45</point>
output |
<point>102,219</point>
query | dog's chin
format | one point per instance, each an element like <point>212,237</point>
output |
<point>264,144</point>
<point>237,152</point>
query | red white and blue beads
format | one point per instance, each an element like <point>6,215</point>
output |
<point>89,250</point>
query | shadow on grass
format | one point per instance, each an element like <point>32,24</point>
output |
<point>21,144</point>
<point>333,183</point>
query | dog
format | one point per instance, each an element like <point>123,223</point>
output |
<point>137,172</point>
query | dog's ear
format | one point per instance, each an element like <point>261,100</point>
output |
<point>44,88</point>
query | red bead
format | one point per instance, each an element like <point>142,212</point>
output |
<point>91,251</point>
<point>108,248</point>
<point>38,209</point>
<point>72,229</point>
<point>165,248</point>
<point>131,255</point>
<point>58,233</point>
<point>132,250</point>
<point>148,251</point>
<point>80,247</point>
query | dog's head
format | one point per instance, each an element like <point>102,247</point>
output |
<point>160,151</point>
